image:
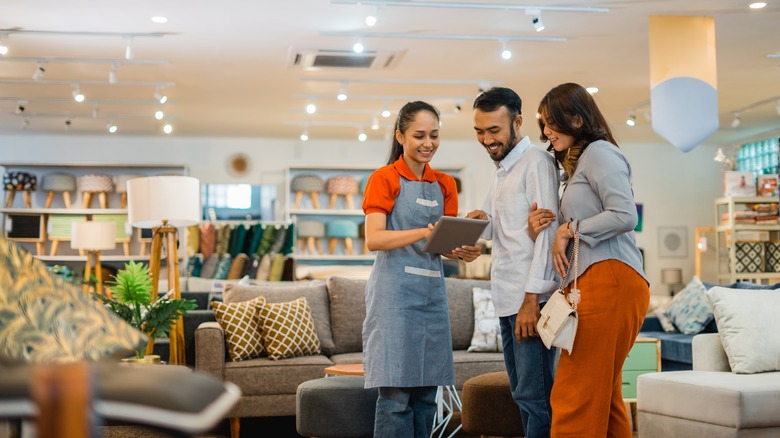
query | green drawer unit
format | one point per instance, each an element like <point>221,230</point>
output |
<point>644,357</point>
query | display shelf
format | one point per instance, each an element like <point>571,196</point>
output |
<point>310,257</point>
<point>78,211</point>
<point>748,227</point>
<point>103,258</point>
<point>325,212</point>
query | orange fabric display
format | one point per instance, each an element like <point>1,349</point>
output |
<point>587,398</point>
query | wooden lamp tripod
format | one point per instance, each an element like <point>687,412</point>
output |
<point>165,203</point>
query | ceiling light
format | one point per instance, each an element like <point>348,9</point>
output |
<point>77,95</point>
<point>112,74</point>
<point>358,46</point>
<point>3,48</point>
<point>386,113</point>
<point>159,19</point>
<point>757,5</point>
<point>362,136</point>
<point>375,124</point>
<point>458,108</point>
<point>39,72</point>
<point>167,128</point>
<point>311,108</point>
<point>20,108</point>
<point>111,127</point>
<point>342,93</point>
<point>538,25</point>
<point>631,120</point>
<point>25,123</point>
<point>159,96</point>
<point>592,90</point>
<point>129,49</point>
<point>371,19</point>
<point>505,52</point>
<point>305,136</point>
<point>67,124</point>
<point>159,114</point>
<point>736,122</point>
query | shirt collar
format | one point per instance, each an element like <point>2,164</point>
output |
<point>515,154</point>
<point>406,172</point>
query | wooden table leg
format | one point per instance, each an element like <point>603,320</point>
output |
<point>103,199</point>
<point>298,198</point>
<point>348,245</point>
<point>315,202</point>
<point>350,202</point>
<point>332,245</point>
<point>49,198</point>
<point>87,198</point>
<point>333,198</point>
<point>66,198</point>
<point>9,198</point>
<point>27,199</point>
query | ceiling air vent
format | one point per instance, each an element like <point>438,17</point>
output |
<point>313,59</point>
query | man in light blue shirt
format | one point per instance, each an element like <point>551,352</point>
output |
<point>522,272</point>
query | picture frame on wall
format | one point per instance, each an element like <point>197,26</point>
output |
<point>25,227</point>
<point>673,241</point>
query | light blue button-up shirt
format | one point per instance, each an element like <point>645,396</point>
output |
<point>519,265</point>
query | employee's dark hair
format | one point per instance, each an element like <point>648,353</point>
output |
<point>496,97</point>
<point>560,108</point>
<point>406,115</point>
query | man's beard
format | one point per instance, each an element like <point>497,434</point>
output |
<point>508,146</point>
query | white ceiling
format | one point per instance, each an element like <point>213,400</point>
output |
<point>230,64</point>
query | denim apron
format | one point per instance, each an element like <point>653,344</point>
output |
<point>406,333</point>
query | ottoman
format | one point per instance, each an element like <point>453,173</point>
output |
<point>310,232</point>
<point>120,184</point>
<point>335,407</point>
<point>88,185</point>
<point>58,182</point>
<point>19,182</point>
<point>488,406</point>
<point>341,229</point>
<point>311,184</point>
<point>345,186</point>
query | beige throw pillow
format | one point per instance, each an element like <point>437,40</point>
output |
<point>242,328</point>
<point>288,329</point>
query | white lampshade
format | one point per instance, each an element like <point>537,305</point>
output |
<point>153,199</point>
<point>671,276</point>
<point>93,236</point>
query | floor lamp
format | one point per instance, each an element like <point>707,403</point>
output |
<point>165,203</point>
<point>93,237</point>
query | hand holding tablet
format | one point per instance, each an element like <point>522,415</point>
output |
<point>454,232</point>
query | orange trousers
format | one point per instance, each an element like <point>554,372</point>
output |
<point>587,396</point>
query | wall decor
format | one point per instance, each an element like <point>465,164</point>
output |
<point>673,241</point>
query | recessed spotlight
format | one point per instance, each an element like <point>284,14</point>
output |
<point>159,114</point>
<point>304,136</point>
<point>362,136</point>
<point>3,48</point>
<point>311,108</point>
<point>358,46</point>
<point>112,128</point>
<point>370,20</point>
<point>159,19</point>
<point>167,128</point>
<point>386,113</point>
<point>592,90</point>
<point>757,5</point>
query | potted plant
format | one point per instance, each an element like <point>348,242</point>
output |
<point>132,301</point>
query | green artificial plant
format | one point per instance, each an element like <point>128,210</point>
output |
<point>132,301</point>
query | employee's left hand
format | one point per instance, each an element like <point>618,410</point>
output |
<point>467,253</point>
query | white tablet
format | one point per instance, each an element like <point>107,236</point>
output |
<point>454,232</point>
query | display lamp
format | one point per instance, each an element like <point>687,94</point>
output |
<point>93,237</point>
<point>165,203</point>
<point>671,277</point>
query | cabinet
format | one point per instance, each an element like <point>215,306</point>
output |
<point>747,239</point>
<point>43,227</point>
<point>321,214</point>
<point>644,357</point>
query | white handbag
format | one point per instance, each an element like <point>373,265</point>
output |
<point>557,325</point>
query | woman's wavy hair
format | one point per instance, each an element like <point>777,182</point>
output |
<point>562,108</point>
<point>406,115</point>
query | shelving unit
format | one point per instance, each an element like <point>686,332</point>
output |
<point>305,211</point>
<point>65,255</point>
<point>745,251</point>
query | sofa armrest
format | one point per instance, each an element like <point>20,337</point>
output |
<point>708,353</point>
<point>210,349</point>
<point>651,324</point>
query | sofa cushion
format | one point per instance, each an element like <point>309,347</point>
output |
<point>487,333</point>
<point>461,308</point>
<point>316,295</point>
<point>690,311</point>
<point>288,329</point>
<point>242,328</point>
<point>749,328</point>
<point>347,312</point>
<point>45,319</point>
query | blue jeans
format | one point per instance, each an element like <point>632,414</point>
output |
<point>405,412</point>
<point>530,366</point>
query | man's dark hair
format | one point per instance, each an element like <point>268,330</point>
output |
<point>496,97</point>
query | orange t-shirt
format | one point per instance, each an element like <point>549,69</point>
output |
<point>384,185</point>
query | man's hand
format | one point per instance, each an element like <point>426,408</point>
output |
<point>527,317</point>
<point>477,214</point>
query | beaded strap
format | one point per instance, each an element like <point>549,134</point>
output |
<point>574,296</point>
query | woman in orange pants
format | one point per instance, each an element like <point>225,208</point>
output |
<point>598,203</point>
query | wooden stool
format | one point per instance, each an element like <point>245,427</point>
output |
<point>91,184</point>
<point>310,234</point>
<point>58,182</point>
<point>24,182</point>
<point>362,235</point>
<point>342,186</point>
<point>311,184</point>
<point>341,229</point>
<point>120,186</point>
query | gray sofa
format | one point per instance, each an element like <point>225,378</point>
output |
<point>338,309</point>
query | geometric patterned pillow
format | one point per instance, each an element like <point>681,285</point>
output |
<point>45,319</point>
<point>242,329</point>
<point>690,310</point>
<point>288,329</point>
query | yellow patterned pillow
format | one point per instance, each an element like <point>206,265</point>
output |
<point>242,329</point>
<point>288,329</point>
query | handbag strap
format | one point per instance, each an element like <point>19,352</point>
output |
<point>574,293</point>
